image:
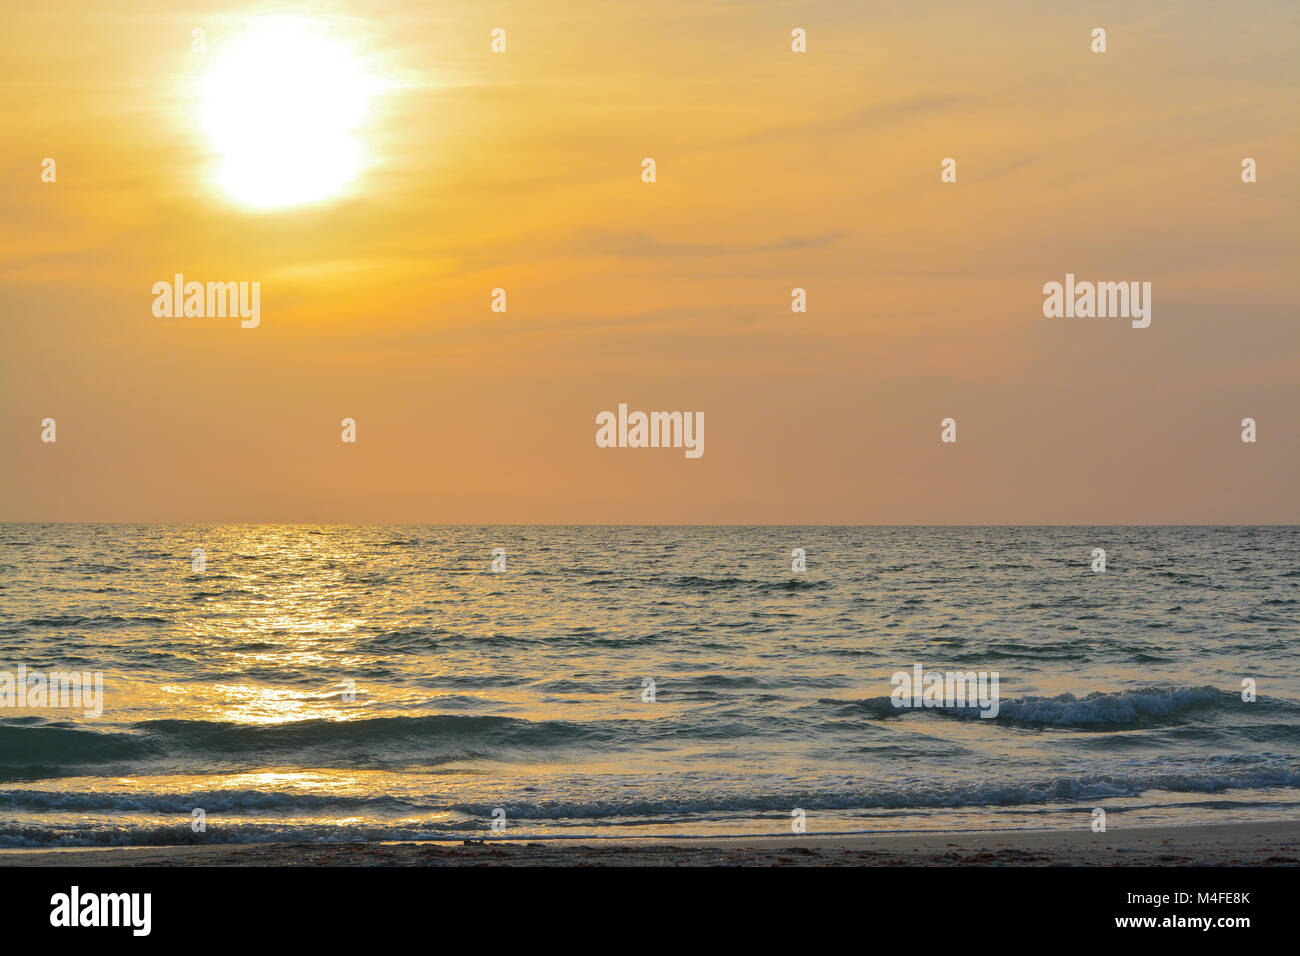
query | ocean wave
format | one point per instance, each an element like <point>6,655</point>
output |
<point>1145,706</point>
<point>699,582</point>
<point>85,621</point>
<point>1124,707</point>
<point>32,745</point>
<point>295,812</point>
<point>35,835</point>
<point>212,802</point>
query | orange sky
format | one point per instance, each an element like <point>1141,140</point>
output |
<point>775,170</point>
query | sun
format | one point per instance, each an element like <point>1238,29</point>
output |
<point>283,105</point>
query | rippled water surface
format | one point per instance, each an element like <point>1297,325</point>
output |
<point>228,689</point>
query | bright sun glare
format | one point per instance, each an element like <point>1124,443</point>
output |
<point>282,105</point>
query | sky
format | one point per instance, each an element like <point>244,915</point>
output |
<point>775,170</point>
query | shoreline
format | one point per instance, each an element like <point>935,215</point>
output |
<point>1274,843</point>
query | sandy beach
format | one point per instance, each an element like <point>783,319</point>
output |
<point>1244,844</point>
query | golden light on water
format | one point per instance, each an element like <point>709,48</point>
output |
<point>283,105</point>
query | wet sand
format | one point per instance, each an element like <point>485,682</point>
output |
<point>1241,844</point>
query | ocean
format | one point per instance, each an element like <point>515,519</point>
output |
<point>323,683</point>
